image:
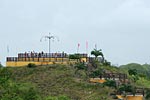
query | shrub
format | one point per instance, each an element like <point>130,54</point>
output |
<point>57,98</point>
<point>1,65</point>
<point>110,83</point>
<point>31,65</point>
<point>96,73</point>
<point>74,56</point>
<point>32,94</point>
<point>80,66</point>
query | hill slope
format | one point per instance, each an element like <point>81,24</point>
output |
<point>54,81</point>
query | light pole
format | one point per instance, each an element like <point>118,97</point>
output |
<point>49,37</point>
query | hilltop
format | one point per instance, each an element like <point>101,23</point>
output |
<point>59,82</point>
<point>53,81</point>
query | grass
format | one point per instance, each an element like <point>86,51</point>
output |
<point>60,80</point>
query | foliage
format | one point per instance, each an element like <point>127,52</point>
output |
<point>1,65</point>
<point>81,66</point>
<point>147,94</point>
<point>31,94</point>
<point>110,83</point>
<point>106,63</point>
<point>141,69</point>
<point>125,87</point>
<point>74,56</point>
<point>62,97</point>
<point>11,90</point>
<point>31,65</point>
<point>97,73</point>
<point>132,72</point>
<point>97,53</point>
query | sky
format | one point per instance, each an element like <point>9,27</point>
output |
<point>119,27</point>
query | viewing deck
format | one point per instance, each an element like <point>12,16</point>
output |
<point>42,59</point>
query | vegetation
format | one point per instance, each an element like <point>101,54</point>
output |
<point>74,56</point>
<point>71,82</point>
<point>1,65</point>
<point>97,53</point>
<point>110,83</point>
<point>53,82</point>
<point>31,65</point>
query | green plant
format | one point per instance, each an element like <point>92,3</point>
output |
<point>62,97</point>
<point>31,65</point>
<point>74,56</point>
<point>126,88</point>
<point>132,72</point>
<point>97,73</point>
<point>1,65</point>
<point>110,83</point>
<point>31,94</point>
<point>80,66</point>
<point>97,53</point>
<point>147,94</point>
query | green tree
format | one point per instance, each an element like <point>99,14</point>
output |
<point>81,66</point>
<point>97,53</point>
<point>132,72</point>
<point>147,94</point>
<point>1,65</point>
<point>110,83</point>
<point>74,56</point>
<point>97,73</point>
<point>31,65</point>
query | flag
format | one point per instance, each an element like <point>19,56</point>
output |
<point>78,45</point>
<point>86,45</point>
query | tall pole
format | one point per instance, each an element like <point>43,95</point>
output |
<point>49,37</point>
<point>49,48</point>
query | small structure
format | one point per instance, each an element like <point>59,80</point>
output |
<point>114,76</point>
<point>130,97</point>
<point>97,80</point>
<point>24,59</point>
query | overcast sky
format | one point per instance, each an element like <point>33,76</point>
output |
<point>121,28</point>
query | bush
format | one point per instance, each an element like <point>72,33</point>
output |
<point>80,66</point>
<point>1,65</point>
<point>31,65</point>
<point>96,73</point>
<point>74,56</point>
<point>110,83</point>
<point>32,94</point>
<point>57,98</point>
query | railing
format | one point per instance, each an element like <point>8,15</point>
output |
<point>11,59</point>
<point>54,57</point>
<point>42,55</point>
<point>83,55</point>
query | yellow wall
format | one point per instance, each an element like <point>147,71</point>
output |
<point>21,63</point>
<point>97,80</point>
<point>41,61</point>
<point>134,97</point>
<point>131,97</point>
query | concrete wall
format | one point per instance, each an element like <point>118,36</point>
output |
<point>41,61</point>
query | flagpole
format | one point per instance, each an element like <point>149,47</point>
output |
<point>86,47</point>
<point>78,48</point>
<point>8,50</point>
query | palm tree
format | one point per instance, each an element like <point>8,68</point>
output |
<point>97,53</point>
